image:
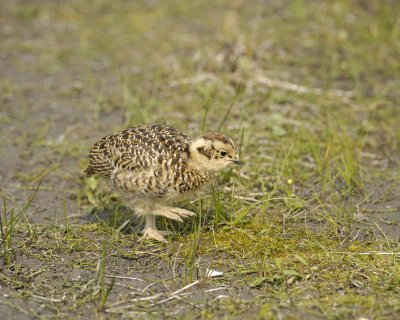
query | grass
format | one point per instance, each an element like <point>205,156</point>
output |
<point>8,222</point>
<point>301,270</point>
<point>307,227</point>
<point>102,290</point>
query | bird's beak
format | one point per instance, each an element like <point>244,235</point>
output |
<point>237,161</point>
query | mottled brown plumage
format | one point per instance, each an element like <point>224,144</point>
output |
<point>153,164</point>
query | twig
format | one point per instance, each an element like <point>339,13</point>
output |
<point>367,253</point>
<point>123,277</point>
<point>165,300</point>
<point>246,199</point>
<point>217,289</point>
<point>47,299</point>
<point>148,286</point>
<point>132,305</point>
<point>195,79</point>
<point>185,288</point>
<point>288,86</point>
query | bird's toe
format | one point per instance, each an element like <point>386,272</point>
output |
<point>182,212</point>
<point>168,214</point>
<point>154,234</point>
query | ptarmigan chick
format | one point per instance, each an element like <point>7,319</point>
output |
<point>154,164</point>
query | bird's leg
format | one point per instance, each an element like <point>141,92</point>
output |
<point>174,213</point>
<point>150,229</point>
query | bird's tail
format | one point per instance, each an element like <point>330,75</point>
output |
<point>88,172</point>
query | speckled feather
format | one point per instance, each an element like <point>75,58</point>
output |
<point>148,162</point>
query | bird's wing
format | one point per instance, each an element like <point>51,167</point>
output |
<point>138,148</point>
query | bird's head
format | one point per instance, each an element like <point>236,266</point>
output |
<point>214,151</point>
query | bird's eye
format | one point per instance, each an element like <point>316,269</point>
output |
<point>223,153</point>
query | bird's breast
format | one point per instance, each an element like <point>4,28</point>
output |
<point>166,181</point>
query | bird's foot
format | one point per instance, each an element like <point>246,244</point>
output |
<point>151,233</point>
<point>174,213</point>
<point>182,212</point>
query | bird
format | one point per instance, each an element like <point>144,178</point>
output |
<point>153,165</point>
